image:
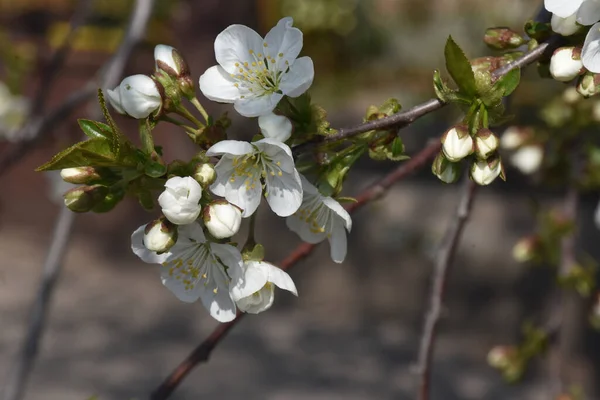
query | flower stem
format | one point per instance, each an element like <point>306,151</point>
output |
<point>199,107</point>
<point>185,113</point>
<point>250,241</point>
<point>173,121</point>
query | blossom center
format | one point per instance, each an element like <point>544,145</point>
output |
<point>260,75</point>
<point>252,167</point>
<point>316,215</point>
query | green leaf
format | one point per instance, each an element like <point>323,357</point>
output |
<point>509,82</point>
<point>539,31</point>
<point>397,147</point>
<point>89,153</point>
<point>146,136</point>
<point>154,169</point>
<point>95,129</point>
<point>459,67</point>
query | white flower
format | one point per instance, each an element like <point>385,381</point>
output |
<point>486,171</point>
<point>13,113</point>
<point>254,74</point>
<point>566,64</point>
<point>222,219</point>
<point>163,57</point>
<point>457,143</point>
<point>275,126</point>
<point>243,165</point>
<point>196,269</point>
<point>528,159</point>
<point>321,218</point>
<point>565,26</point>
<point>180,200</point>
<point>254,289</point>
<point>160,235</point>
<point>136,96</point>
<point>591,49</point>
<point>587,12</point>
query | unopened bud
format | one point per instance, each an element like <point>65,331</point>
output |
<point>160,235</point>
<point>502,38</point>
<point>514,137</point>
<point>79,175</point>
<point>565,26</point>
<point>222,219</point>
<point>486,143</point>
<point>84,198</point>
<point>484,172</point>
<point>446,171</point>
<point>169,60</point>
<point>528,159</point>
<point>205,174</point>
<point>571,96</point>
<point>589,84</point>
<point>566,64</point>
<point>526,249</point>
<point>501,357</point>
<point>457,143</point>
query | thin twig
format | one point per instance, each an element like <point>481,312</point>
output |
<point>20,372</point>
<point>405,118</point>
<point>441,272</point>
<point>202,352</point>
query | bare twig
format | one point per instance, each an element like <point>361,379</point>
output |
<point>443,263</point>
<point>202,352</point>
<point>405,118</point>
<point>17,380</point>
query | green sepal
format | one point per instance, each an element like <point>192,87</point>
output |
<point>155,169</point>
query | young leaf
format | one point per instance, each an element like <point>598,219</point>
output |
<point>95,129</point>
<point>459,67</point>
<point>89,153</point>
<point>509,82</point>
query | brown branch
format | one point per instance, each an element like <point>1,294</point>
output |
<point>202,353</point>
<point>444,259</point>
<point>405,118</point>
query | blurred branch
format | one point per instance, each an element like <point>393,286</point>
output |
<point>202,353</point>
<point>17,380</point>
<point>405,118</point>
<point>443,263</point>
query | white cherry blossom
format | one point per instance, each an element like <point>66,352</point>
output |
<point>255,73</point>
<point>180,202</point>
<point>244,168</point>
<point>196,269</point>
<point>136,96</point>
<point>254,289</point>
<point>275,126</point>
<point>321,218</point>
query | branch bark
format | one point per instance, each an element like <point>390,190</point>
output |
<point>202,353</point>
<point>441,272</point>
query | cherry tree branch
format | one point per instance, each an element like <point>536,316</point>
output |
<point>444,259</point>
<point>20,372</point>
<point>202,353</point>
<point>405,118</point>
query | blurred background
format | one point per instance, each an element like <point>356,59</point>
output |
<point>353,332</point>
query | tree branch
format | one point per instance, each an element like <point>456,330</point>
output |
<point>202,353</point>
<point>405,118</point>
<point>443,263</point>
<point>19,375</point>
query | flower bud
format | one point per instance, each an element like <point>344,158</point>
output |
<point>589,84</point>
<point>180,202</point>
<point>486,143</point>
<point>222,219</point>
<point>566,64</point>
<point>457,143</point>
<point>84,198</point>
<point>565,26</point>
<point>528,159</point>
<point>484,172</point>
<point>160,235</point>
<point>79,175</point>
<point>169,60</point>
<point>526,249</point>
<point>502,38</point>
<point>445,170</point>
<point>501,357</point>
<point>205,174</point>
<point>514,137</point>
<point>137,96</point>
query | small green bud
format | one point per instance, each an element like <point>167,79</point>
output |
<point>84,198</point>
<point>589,84</point>
<point>503,38</point>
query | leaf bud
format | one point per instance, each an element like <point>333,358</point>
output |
<point>502,38</point>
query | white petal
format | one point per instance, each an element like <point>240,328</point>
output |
<point>217,85</point>
<point>591,50</point>
<point>339,211</point>
<point>139,96</point>
<point>178,288</point>
<point>259,302</point>
<point>191,233</point>
<point>114,98</point>
<point>230,256</point>
<point>233,45</point>
<point>137,245</point>
<point>220,305</point>
<point>237,192</point>
<point>278,152</point>
<point>285,40</point>
<point>284,193</point>
<point>338,244</point>
<point>589,13</point>
<point>277,127</point>
<point>256,106</point>
<point>164,53</point>
<point>233,147</point>
<point>224,170</point>
<point>302,229</point>
<point>277,276</point>
<point>563,8</point>
<point>299,77</point>
<point>250,281</point>
<point>308,187</point>
<point>597,216</point>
